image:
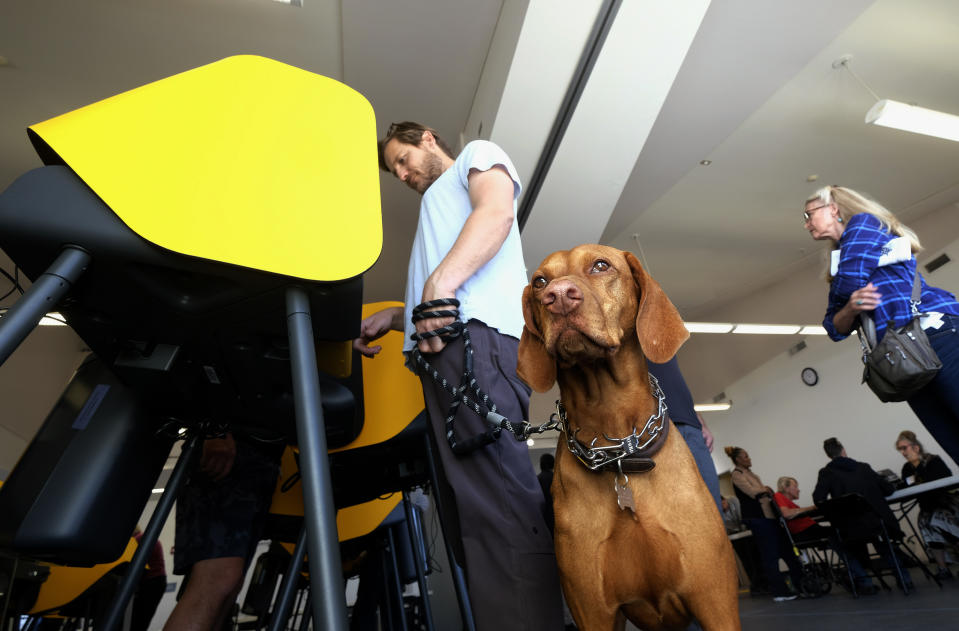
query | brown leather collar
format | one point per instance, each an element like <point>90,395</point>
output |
<point>630,454</point>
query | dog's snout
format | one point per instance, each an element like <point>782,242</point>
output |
<point>562,297</point>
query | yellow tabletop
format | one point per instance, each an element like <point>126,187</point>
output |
<point>246,161</point>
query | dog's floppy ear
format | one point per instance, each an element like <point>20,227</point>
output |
<point>535,366</point>
<point>658,326</point>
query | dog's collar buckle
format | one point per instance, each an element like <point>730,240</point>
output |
<point>633,453</point>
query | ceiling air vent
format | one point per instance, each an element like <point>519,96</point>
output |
<point>936,263</point>
<point>797,347</point>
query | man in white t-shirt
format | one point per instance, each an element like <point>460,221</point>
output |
<point>467,247</point>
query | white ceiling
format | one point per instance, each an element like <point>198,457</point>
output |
<point>749,86</point>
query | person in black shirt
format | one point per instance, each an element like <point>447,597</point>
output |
<point>938,510</point>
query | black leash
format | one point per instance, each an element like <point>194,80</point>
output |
<point>468,391</point>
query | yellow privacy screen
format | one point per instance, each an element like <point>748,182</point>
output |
<point>245,161</point>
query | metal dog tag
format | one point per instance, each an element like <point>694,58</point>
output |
<point>624,498</point>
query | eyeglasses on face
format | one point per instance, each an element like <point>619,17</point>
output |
<point>807,214</point>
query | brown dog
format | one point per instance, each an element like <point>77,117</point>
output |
<point>593,315</point>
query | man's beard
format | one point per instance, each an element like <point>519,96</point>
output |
<point>432,168</point>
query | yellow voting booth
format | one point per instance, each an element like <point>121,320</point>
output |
<point>206,236</point>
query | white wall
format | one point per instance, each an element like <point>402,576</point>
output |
<point>782,423</point>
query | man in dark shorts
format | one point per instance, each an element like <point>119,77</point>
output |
<point>219,519</point>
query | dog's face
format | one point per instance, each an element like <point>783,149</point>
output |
<point>581,305</point>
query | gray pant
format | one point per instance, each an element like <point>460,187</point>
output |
<point>499,530</point>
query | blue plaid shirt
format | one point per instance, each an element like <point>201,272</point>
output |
<point>860,247</point>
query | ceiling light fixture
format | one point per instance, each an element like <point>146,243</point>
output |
<point>812,330</point>
<point>767,329</point>
<point>709,327</point>
<point>907,117</point>
<point>713,407</point>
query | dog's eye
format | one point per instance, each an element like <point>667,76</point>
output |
<point>539,282</point>
<point>600,266</point>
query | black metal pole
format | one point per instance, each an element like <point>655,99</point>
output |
<point>281,610</point>
<point>114,615</point>
<point>20,319</point>
<point>415,528</point>
<point>456,571</point>
<point>329,594</point>
<point>394,585</point>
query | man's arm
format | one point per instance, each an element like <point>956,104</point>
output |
<point>482,236</point>
<point>821,493</point>
<point>375,327</point>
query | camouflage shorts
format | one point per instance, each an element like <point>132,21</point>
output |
<point>225,518</point>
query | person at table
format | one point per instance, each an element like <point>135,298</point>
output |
<point>842,476</point>
<point>938,510</point>
<point>754,499</point>
<point>804,528</point>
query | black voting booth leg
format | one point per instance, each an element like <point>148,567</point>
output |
<point>114,615</point>
<point>456,571</point>
<point>281,610</point>
<point>326,581</point>
<point>20,319</point>
<point>416,538</point>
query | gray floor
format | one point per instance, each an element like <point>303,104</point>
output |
<point>928,608</point>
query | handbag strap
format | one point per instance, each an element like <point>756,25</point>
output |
<point>867,325</point>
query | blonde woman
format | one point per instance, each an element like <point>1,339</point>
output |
<point>872,272</point>
<point>938,510</point>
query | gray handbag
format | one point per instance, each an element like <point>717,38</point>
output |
<point>903,362</point>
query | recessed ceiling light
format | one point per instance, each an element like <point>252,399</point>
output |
<point>705,163</point>
<point>812,178</point>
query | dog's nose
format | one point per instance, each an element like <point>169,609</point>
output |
<point>562,297</point>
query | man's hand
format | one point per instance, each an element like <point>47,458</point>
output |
<point>218,457</point>
<point>432,291</point>
<point>707,434</point>
<point>375,327</point>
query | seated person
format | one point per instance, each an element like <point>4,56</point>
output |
<point>802,528</point>
<point>938,510</point>
<point>754,498</point>
<point>842,476</point>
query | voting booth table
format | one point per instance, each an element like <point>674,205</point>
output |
<point>205,235</point>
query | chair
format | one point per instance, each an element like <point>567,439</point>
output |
<point>817,576</point>
<point>856,522</point>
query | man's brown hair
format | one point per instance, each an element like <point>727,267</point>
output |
<point>410,133</point>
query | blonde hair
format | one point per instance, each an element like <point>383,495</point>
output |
<point>910,437</point>
<point>783,482</point>
<point>850,202</point>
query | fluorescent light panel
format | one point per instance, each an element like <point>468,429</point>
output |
<point>709,327</point>
<point>918,120</point>
<point>712,407</point>
<point>767,329</point>
<point>812,330</point>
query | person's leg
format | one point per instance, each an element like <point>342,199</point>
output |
<point>210,592</point>
<point>509,560</point>
<point>704,461</point>
<point>218,524</point>
<point>937,405</point>
<point>766,534</point>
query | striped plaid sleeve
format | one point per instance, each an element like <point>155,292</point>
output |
<point>859,250</point>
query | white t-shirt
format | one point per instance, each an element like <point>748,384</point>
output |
<point>494,293</point>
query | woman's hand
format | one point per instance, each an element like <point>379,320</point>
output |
<point>863,299</point>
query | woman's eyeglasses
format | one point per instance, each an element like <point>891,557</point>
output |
<point>807,214</point>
